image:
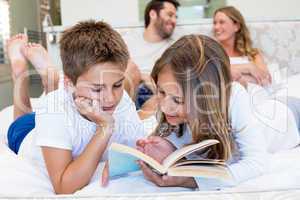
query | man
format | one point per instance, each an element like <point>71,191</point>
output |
<point>146,47</point>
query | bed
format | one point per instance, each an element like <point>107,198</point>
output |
<point>19,178</point>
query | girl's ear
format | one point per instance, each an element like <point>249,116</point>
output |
<point>68,84</point>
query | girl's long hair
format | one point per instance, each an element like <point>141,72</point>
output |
<point>243,43</point>
<point>201,67</point>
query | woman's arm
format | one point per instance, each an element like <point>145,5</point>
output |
<point>256,71</point>
<point>68,175</point>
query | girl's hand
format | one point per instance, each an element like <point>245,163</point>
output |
<point>156,147</point>
<point>166,181</point>
<point>92,110</point>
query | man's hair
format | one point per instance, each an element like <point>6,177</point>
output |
<point>157,5</point>
<point>88,43</point>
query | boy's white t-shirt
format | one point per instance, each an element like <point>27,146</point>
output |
<point>58,124</point>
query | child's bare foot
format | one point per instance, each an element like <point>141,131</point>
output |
<point>40,59</point>
<point>16,58</point>
<point>38,56</point>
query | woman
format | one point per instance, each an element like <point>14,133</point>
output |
<point>247,63</point>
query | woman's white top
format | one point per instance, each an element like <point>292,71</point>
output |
<point>239,60</point>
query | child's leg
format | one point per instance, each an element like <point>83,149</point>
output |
<point>40,59</point>
<point>19,68</point>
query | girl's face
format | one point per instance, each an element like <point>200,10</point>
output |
<point>224,28</point>
<point>170,97</point>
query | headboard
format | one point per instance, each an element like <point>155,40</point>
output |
<point>279,40</point>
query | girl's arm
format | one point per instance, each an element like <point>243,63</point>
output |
<point>68,175</point>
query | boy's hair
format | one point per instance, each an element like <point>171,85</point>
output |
<point>157,5</point>
<point>89,43</point>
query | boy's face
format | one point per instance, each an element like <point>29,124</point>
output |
<point>103,82</point>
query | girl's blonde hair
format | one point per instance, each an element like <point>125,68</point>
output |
<point>201,67</point>
<point>243,42</point>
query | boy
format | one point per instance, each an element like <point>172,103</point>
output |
<point>77,122</point>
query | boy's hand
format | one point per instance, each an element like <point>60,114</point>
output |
<point>92,110</point>
<point>105,175</point>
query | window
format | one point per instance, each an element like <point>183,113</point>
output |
<point>4,28</point>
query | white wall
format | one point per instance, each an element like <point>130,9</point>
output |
<point>115,12</point>
<point>267,9</point>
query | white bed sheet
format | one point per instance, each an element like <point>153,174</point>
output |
<point>20,178</point>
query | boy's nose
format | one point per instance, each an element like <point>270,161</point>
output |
<point>108,97</point>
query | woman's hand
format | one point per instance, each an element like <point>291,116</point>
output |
<point>250,73</point>
<point>167,181</point>
<point>262,77</point>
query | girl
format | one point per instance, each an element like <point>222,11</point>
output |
<point>247,63</point>
<point>198,100</point>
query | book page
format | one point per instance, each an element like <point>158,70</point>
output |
<point>205,171</point>
<point>200,162</point>
<point>140,155</point>
<point>180,153</point>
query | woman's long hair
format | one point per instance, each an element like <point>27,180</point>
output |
<point>243,42</point>
<point>201,67</point>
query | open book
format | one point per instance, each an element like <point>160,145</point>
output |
<point>122,160</point>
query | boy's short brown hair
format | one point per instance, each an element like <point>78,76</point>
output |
<point>89,43</point>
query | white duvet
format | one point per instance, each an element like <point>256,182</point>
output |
<point>18,177</point>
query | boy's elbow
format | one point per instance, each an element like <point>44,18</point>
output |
<point>63,187</point>
<point>64,190</point>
